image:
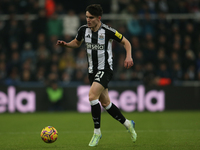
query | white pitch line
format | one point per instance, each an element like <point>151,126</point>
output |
<point>104,131</point>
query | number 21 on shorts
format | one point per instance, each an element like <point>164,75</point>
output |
<point>99,75</point>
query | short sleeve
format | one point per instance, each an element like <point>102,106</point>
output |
<point>80,34</point>
<point>114,34</point>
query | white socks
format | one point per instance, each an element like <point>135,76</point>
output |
<point>109,106</point>
<point>97,131</point>
<point>94,102</point>
<point>127,123</point>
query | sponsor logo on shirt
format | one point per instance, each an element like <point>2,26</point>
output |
<point>95,46</point>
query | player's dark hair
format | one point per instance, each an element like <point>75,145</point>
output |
<point>95,9</point>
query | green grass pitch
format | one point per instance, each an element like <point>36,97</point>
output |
<point>169,130</point>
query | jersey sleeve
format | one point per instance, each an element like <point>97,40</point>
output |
<point>115,35</point>
<point>79,35</point>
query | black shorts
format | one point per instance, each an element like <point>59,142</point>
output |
<point>102,77</point>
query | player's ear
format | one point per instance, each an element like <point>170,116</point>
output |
<point>99,17</point>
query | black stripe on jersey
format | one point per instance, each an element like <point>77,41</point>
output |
<point>94,52</point>
<point>106,52</point>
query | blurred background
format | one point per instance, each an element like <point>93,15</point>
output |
<point>164,34</point>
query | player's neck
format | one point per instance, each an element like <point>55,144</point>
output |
<point>96,28</point>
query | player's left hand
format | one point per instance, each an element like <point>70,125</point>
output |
<point>128,63</point>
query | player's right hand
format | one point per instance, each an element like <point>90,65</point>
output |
<point>61,43</point>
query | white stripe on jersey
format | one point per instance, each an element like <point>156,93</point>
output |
<point>110,55</point>
<point>101,53</point>
<point>88,35</point>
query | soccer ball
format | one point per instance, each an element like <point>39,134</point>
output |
<point>49,134</point>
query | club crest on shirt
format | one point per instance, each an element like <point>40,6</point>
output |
<point>101,37</point>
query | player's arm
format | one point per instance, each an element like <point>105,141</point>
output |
<point>128,61</point>
<point>73,44</point>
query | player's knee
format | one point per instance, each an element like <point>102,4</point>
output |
<point>92,96</point>
<point>105,104</point>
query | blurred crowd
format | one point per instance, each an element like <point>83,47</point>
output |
<point>164,51</point>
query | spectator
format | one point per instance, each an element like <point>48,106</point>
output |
<point>3,72</point>
<point>29,35</point>
<point>79,76</point>
<point>150,52</point>
<point>65,77</point>
<point>34,7</point>
<point>54,59</point>
<point>50,7</point>
<point>12,31</point>
<point>145,9</point>
<point>42,40</point>
<point>163,6</point>
<point>162,42</point>
<point>138,72</point>
<point>81,61</point>
<point>175,58</point>
<point>189,59</point>
<point>55,95</point>
<point>28,53</point>
<point>147,25</point>
<point>163,71</point>
<point>162,57</point>
<point>52,77</point>
<point>26,20</point>
<point>82,18</point>
<point>2,56</point>
<point>192,6</point>
<point>42,54</point>
<point>28,65</point>
<point>138,58</point>
<point>198,62</point>
<point>121,73</point>
<point>54,69</point>
<point>177,38</point>
<point>14,61</point>
<point>197,45</point>
<point>13,77</point>
<point>55,26</point>
<point>128,9</point>
<point>135,42</point>
<point>187,45</point>
<point>67,62</point>
<point>59,9</point>
<point>134,26</point>
<point>190,73</point>
<point>40,74</point>
<point>149,73</point>
<point>189,31</point>
<point>177,72</point>
<point>182,7</point>
<point>26,76</point>
<point>198,75</point>
<point>40,24</point>
<point>176,47</point>
<point>137,4</point>
<point>70,23</point>
<point>52,42</point>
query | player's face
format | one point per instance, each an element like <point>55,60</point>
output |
<point>92,21</point>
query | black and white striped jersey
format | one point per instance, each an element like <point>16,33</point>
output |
<point>99,46</point>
